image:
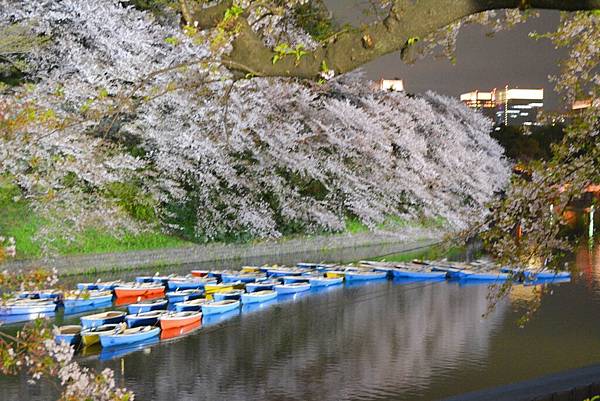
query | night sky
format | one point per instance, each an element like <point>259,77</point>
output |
<point>510,57</point>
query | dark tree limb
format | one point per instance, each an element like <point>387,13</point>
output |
<point>349,50</point>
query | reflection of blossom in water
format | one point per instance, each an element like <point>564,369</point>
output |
<point>386,339</point>
<point>588,265</point>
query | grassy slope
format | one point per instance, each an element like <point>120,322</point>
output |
<point>19,221</point>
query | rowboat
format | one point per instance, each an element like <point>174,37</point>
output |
<point>532,274</point>
<point>147,306</point>
<point>304,265</point>
<point>362,276</point>
<point>199,273</point>
<point>162,280</point>
<point>217,274</point>
<point>108,285</point>
<point>223,295</point>
<point>243,277</point>
<point>190,306</point>
<point>285,272</point>
<point>78,299</point>
<point>211,308</point>
<point>294,279</point>
<point>144,318</point>
<point>92,335</point>
<point>87,286</point>
<point>27,306</point>
<point>144,279</point>
<point>129,336</point>
<point>179,331</point>
<point>417,271</point>
<point>250,269</point>
<point>258,296</point>
<point>179,319</point>
<point>325,281</point>
<point>335,274</point>
<point>212,288</point>
<point>40,294</point>
<point>291,288</point>
<point>261,286</point>
<point>99,319</point>
<point>191,283</point>
<point>137,289</point>
<point>69,334</point>
<point>185,295</point>
<point>491,276</point>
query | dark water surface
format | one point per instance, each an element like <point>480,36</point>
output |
<point>381,340</point>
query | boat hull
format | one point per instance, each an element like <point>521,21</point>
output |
<point>422,275</point>
<point>112,340</point>
<point>123,292</point>
<point>252,298</point>
<point>290,289</point>
<point>91,322</point>
<point>147,307</point>
<point>326,281</point>
<point>353,276</point>
<point>170,322</point>
<point>25,309</point>
<point>79,302</point>
<point>252,287</point>
<point>211,309</point>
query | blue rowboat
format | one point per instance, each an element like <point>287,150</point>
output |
<point>362,276</point>
<point>451,272</point>
<point>164,280</point>
<point>389,271</point>
<point>532,274</point>
<point>144,318</point>
<point>492,276</point>
<point>147,306</point>
<point>190,306</point>
<point>551,274</point>
<point>211,308</point>
<point>274,273</point>
<point>99,319</point>
<point>259,296</point>
<point>424,274</point>
<point>232,294</point>
<point>92,335</point>
<point>263,285</point>
<point>294,279</point>
<point>185,295</point>
<point>291,288</point>
<point>40,294</point>
<point>188,284</point>
<point>129,336</point>
<point>304,265</point>
<point>244,278</point>
<point>77,300</point>
<point>144,279</point>
<point>325,281</point>
<point>108,285</point>
<point>27,306</point>
<point>69,334</point>
<point>87,286</point>
<point>119,351</point>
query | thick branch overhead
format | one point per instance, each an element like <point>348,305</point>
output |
<point>353,48</point>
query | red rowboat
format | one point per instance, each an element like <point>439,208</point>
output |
<point>179,319</point>
<point>179,331</point>
<point>137,290</point>
<point>199,273</point>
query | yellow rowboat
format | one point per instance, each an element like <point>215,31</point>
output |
<point>335,274</point>
<point>212,288</point>
<point>92,336</point>
<point>250,269</point>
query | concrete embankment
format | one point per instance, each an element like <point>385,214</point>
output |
<point>330,248</point>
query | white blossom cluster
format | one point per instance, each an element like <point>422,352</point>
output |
<point>254,156</point>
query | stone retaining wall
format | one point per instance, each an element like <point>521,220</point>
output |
<point>332,248</point>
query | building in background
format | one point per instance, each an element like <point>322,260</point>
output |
<point>485,102</point>
<point>507,106</point>
<point>395,85</point>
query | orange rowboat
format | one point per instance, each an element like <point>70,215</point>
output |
<point>179,319</point>
<point>139,290</point>
<point>199,273</point>
<point>179,331</point>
